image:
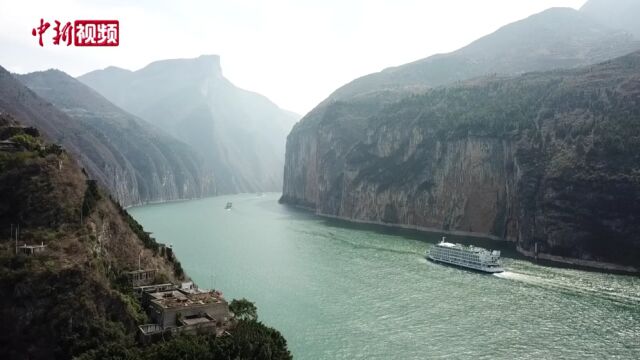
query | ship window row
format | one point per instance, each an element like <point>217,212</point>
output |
<point>459,259</point>
<point>461,255</point>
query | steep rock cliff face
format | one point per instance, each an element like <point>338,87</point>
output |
<point>547,158</point>
<point>553,39</point>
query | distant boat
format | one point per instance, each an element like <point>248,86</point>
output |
<point>228,206</point>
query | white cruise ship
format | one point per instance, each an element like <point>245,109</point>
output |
<point>466,256</point>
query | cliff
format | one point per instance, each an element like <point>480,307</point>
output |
<point>73,298</point>
<point>53,300</point>
<point>239,134</point>
<point>136,162</point>
<point>546,158</point>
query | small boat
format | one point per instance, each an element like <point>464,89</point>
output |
<point>228,206</point>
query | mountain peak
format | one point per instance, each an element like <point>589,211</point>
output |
<point>52,73</point>
<point>116,69</point>
<point>202,65</point>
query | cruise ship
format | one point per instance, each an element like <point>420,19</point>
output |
<point>466,256</point>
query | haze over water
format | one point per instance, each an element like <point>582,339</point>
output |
<point>347,292</point>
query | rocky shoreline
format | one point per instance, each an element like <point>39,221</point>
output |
<point>598,265</point>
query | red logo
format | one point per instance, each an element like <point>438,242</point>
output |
<point>82,32</point>
<point>97,32</point>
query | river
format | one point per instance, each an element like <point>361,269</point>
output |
<point>340,291</point>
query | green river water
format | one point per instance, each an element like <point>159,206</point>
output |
<point>338,291</point>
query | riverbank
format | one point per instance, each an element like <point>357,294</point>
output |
<point>590,264</point>
<point>552,260</point>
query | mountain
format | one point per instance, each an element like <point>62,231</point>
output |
<point>545,158</point>
<point>135,161</point>
<point>553,39</point>
<point>617,14</point>
<point>52,301</point>
<point>73,298</point>
<point>240,133</point>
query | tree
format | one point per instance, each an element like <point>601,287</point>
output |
<point>244,309</point>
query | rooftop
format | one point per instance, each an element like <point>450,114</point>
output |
<point>180,298</point>
<point>197,320</point>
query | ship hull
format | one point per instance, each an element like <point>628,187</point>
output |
<point>472,267</point>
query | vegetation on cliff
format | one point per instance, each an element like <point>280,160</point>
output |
<point>249,340</point>
<point>72,300</point>
<point>244,309</point>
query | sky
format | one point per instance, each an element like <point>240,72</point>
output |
<point>295,52</point>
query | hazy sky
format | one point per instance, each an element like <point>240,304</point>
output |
<point>296,52</point>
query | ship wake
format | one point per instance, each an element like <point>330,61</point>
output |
<point>571,286</point>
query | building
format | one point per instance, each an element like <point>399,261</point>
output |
<point>189,310</point>
<point>169,308</point>
<point>31,249</point>
<point>190,287</point>
<point>139,291</point>
<point>142,277</point>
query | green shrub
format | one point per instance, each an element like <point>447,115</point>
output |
<point>27,141</point>
<point>244,309</point>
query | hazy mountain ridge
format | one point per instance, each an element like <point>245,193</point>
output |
<point>386,149</point>
<point>136,162</point>
<point>555,38</point>
<point>618,14</point>
<point>239,133</point>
